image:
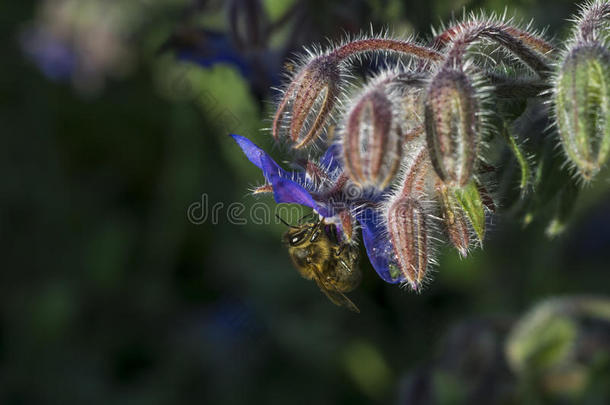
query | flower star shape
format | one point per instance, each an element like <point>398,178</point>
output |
<point>325,188</point>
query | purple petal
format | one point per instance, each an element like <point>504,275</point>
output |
<point>285,190</point>
<point>261,159</point>
<point>378,246</point>
<point>252,152</point>
<point>54,56</point>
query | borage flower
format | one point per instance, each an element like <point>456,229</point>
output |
<point>324,187</point>
<point>407,162</point>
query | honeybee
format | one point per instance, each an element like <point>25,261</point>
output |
<point>318,255</point>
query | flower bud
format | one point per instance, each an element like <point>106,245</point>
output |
<point>407,221</point>
<point>455,221</point>
<point>372,144</point>
<point>407,227</point>
<point>452,126</point>
<point>411,111</point>
<point>308,102</point>
<point>582,105</point>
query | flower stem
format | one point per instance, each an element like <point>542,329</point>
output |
<point>380,44</point>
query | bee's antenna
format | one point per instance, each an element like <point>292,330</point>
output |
<point>311,214</point>
<point>284,222</point>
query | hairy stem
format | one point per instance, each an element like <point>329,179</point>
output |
<point>529,39</point>
<point>499,34</point>
<point>380,44</point>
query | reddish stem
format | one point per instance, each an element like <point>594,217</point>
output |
<point>529,39</point>
<point>379,44</point>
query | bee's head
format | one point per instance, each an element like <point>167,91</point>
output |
<point>302,234</point>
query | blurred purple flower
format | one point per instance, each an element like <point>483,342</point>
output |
<point>54,57</point>
<point>208,48</point>
<point>259,67</point>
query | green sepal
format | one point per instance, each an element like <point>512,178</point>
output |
<point>524,165</point>
<point>470,200</point>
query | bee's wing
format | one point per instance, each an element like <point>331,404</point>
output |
<point>336,297</point>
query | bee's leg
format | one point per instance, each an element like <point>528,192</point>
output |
<point>340,250</point>
<point>316,230</point>
<point>332,232</point>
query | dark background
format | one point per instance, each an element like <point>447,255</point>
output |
<point>110,295</point>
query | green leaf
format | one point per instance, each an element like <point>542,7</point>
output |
<point>549,179</point>
<point>521,159</point>
<point>566,200</point>
<point>470,200</point>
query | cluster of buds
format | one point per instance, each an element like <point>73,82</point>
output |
<point>412,145</point>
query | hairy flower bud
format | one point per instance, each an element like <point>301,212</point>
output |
<point>582,93</point>
<point>411,108</point>
<point>455,221</point>
<point>407,227</point>
<point>452,126</point>
<point>308,102</point>
<point>372,144</point>
<point>407,219</point>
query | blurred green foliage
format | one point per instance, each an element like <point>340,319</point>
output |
<point>109,295</point>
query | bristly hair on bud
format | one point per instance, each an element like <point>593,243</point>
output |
<point>408,230</point>
<point>581,92</point>
<point>591,25</point>
<point>408,219</point>
<point>309,100</point>
<point>582,108</point>
<point>477,23</point>
<point>528,47</point>
<point>453,126</point>
<point>455,221</point>
<point>371,144</point>
<point>409,90</point>
<point>376,127</point>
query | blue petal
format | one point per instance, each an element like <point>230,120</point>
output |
<point>252,152</point>
<point>378,246</point>
<point>54,57</point>
<point>257,156</point>
<point>285,190</point>
<point>213,48</point>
